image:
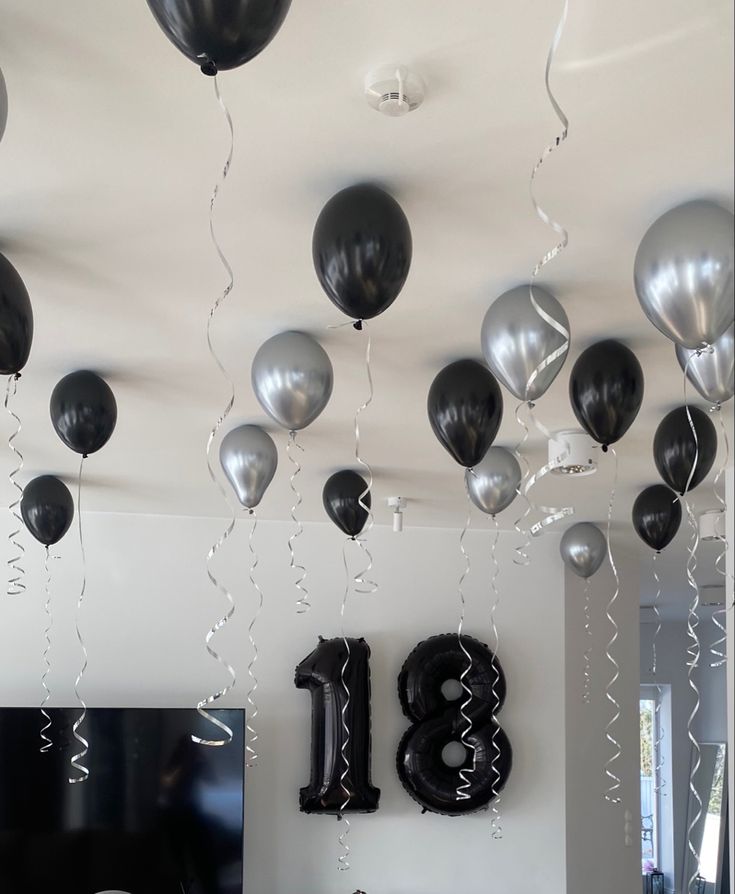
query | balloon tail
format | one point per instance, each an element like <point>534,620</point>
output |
<point>464,785</point>
<point>496,827</point>
<point>46,741</point>
<point>78,758</point>
<point>364,586</point>
<point>718,649</point>
<point>551,513</point>
<point>211,699</point>
<point>302,604</point>
<point>587,679</point>
<point>659,782</point>
<point>612,794</point>
<point>693,653</point>
<point>250,749</point>
<point>16,583</point>
<point>521,552</point>
<point>343,863</point>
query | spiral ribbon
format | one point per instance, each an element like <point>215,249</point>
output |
<point>343,863</point>
<point>496,828</point>
<point>693,654</point>
<point>587,673</point>
<point>78,758</point>
<point>718,649</point>
<point>551,514</point>
<point>659,783</point>
<point>463,787</point>
<point>211,699</point>
<point>302,604</point>
<point>16,584</point>
<point>612,793</point>
<point>521,552</point>
<point>363,585</point>
<point>46,741</point>
<point>250,750</point>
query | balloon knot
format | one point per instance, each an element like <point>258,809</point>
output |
<point>358,325</point>
<point>16,376</point>
<point>85,455</point>
<point>208,67</point>
<point>604,448</point>
<point>531,405</point>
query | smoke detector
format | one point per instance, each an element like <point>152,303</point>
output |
<point>712,525</point>
<point>571,452</point>
<point>393,90</point>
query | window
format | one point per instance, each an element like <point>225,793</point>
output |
<point>650,763</point>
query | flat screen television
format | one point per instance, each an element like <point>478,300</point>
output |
<point>159,814</point>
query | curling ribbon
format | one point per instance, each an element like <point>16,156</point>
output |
<point>343,863</point>
<point>551,514</point>
<point>302,604</point>
<point>76,759</point>
<point>496,828</point>
<point>16,584</point>
<point>613,788</point>
<point>250,750</point>
<point>521,552</point>
<point>658,782</point>
<point>363,585</point>
<point>211,699</point>
<point>46,741</point>
<point>718,649</point>
<point>587,684</point>
<point>464,783</point>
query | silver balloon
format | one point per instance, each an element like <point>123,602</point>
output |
<point>583,548</point>
<point>3,105</point>
<point>292,378</point>
<point>684,273</point>
<point>711,372</point>
<point>249,459</point>
<point>493,483</point>
<point>516,340</point>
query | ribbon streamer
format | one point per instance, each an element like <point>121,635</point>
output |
<point>76,759</point>
<point>611,795</point>
<point>464,773</point>
<point>658,782</point>
<point>211,699</point>
<point>718,649</point>
<point>302,604</point>
<point>46,741</point>
<point>551,513</point>
<point>343,863</point>
<point>496,828</point>
<point>693,653</point>
<point>363,585</point>
<point>587,678</point>
<point>250,750</point>
<point>521,552</point>
<point>16,584</point>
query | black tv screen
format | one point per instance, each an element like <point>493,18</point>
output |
<point>159,814</point>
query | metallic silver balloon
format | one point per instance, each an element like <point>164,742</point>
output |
<point>515,340</point>
<point>249,459</point>
<point>684,273</point>
<point>711,372</point>
<point>583,548</point>
<point>493,483</point>
<point>292,378</point>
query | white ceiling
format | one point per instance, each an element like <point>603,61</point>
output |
<point>114,141</point>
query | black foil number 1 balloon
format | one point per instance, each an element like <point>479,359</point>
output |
<point>431,695</point>
<point>321,673</point>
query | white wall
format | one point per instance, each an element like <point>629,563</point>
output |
<point>149,604</point>
<point>598,859</point>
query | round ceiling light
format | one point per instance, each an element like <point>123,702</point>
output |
<point>571,452</point>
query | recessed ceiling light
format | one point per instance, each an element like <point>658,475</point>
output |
<point>571,452</point>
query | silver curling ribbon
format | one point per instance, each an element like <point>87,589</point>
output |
<point>78,758</point>
<point>251,753</point>
<point>612,794</point>
<point>202,706</point>
<point>465,783</point>
<point>46,741</point>
<point>364,586</point>
<point>16,572</point>
<point>496,828</point>
<point>521,552</point>
<point>343,863</point>
<point>587,658</point>
<point>302,604</point>
<point>658,780</point>
<point>718,649</point>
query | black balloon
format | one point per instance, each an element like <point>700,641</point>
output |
<point>606,390</point>
<point>344,501</point>
<point>675,449</point>
<point>437,722</point>
<point>47,508</point>
<point>220,34</point>
<point>362,250</point>
<point>657,516</point>
<point>465,409</point>
<point>321,673</point>
<point>83,411</point>
<point>16,320</point>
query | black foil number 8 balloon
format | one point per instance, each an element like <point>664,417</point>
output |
<point>431,696</point>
